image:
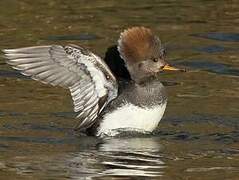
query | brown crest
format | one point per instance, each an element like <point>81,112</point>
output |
<point>138,44</point>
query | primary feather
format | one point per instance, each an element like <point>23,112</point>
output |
<point>86,75</point>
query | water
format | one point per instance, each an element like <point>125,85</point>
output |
<point>198,137</point>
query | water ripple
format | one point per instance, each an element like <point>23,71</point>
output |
<point>15,74</point>
<point>218,68</point>
<point>230,37</point>
<point>73,37</point>
<point>211,49</point>
<point>204,169</point>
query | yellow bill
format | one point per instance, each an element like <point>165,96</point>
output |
<point>167,67</point>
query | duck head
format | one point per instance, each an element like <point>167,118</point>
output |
<point>142,53</point>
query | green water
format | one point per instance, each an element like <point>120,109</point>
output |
<point>198,137</point>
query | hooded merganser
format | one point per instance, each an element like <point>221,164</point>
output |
<point>111,95</point>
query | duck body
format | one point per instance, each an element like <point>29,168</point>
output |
<point>139,107</point>
<point>117,94</point>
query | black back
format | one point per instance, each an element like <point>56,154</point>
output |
<point>116,63</point>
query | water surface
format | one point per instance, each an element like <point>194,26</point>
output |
<point>198,137</point>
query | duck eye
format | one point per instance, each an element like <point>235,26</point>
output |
<point>155,59</point>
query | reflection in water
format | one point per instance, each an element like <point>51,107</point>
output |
<point>132,157</point>
<point>138,157</point>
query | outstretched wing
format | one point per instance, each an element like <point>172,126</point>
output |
<point>90,81</point>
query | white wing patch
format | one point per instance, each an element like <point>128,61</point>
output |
<point>73,67</point>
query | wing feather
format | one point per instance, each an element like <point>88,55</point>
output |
<point>72,67</point>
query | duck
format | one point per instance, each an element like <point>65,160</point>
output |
<point>120,93</point>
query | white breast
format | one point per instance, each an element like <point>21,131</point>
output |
<point>131,118</point>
